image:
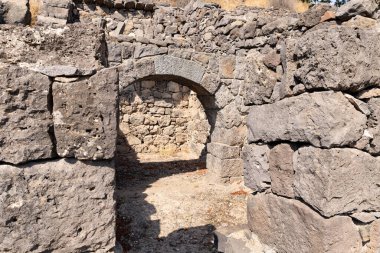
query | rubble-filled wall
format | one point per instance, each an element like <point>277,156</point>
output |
<point>163,119</point>
<point>290,97</point>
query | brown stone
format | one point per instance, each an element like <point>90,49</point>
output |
<point>281,170</point>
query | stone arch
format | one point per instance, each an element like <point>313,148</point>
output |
<point>224,162</point>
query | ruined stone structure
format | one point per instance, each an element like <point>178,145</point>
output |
<point>292,101</point>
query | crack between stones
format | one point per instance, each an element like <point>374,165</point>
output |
<point>51,130</point>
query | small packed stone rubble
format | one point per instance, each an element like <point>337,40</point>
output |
<point>292,101</point>
<point>163,118</point>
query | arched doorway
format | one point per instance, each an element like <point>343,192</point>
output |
<point>166,117</point>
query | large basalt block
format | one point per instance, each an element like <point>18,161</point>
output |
<point>290,226</point>
<point>324,119</point>
<point>62,206</point>
<point>337,181</point>
<point>25,120</point>
<point>85,116</point>
<point>256,166</point>
<point>76,45</point>
<point>339,58</point>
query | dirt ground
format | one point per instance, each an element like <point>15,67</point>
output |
<point>167,206</point>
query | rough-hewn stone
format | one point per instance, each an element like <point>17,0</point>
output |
<point>25,118</point>
<point>337,181</point>
<point>357,7</point>
<point>338,58</point>
<point>76,45</point>
<point>63,206</point>
<point>15,12</point>
<point>256,166</point>
<point>281,170</point>
<point>316,118</point>
<point>85,116</point>
<point>374,126</point>
<point>289,226</point>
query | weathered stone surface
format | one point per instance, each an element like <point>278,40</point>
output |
<point>81,46</point>
<point>173,66</point>
<point>223,151</point>
<point>259,80</point>
<point>224,168</point>
<point>315,118</point>
<point>63,70</point>
<point>357,7</point>
<point>374,125</point>
<point>15,12</point>
<point>256,166</point>
<point>281,170</point>
<point>368,93</point>
<point>338,58</point>
<point>85,118</point>
<point>233,137</point>
<point>337,181</point>
<point>25,119</point>
<point>314,14</point>
<point>289,226</point>
<point>63,206</point>
<point>373,245</point>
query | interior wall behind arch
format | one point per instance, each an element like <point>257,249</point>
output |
<point>163,118</point>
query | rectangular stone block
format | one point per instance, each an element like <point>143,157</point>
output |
<point>60,206</point>
<point>337,181</point>
<point>224,168</point>
<point>290,226</point>
<point>223,151</point>
<point>85,116</point>
<point>80,45</point>
<point>281,170</point>
<point>314,118</point>
<point>256,167</point>
<point>25,120</point>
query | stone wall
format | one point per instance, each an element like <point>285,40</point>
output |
<point>160,118</point>
<point>291,98</point>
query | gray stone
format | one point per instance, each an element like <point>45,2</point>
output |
<point>339,58</point>
<point>38,47</point>
<point>357,7</point>
<point>374,126</point>
<point>312,16</point>
<point>314,118</point>
<point>189,71</point>
<point>85,119</point>
<point>233,137</point>
<point>15,12</point>
<point>259,80</point>
<point>223,233</point>
<point>224,168</point>
<point>358,104</point>
<point>287,225</point>
<point>25,119</point>
<point>256,167</point>
<point>337,181</point>
<point>223,151</point>
<point>281,170</point>
<point>62,205</point>
<point>62,70</point>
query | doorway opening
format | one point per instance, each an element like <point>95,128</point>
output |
<point>165,201</point>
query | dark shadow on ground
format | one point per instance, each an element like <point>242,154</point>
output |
<point>135,230</point>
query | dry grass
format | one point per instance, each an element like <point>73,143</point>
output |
<point>295,5</point>
<point>34,6</point>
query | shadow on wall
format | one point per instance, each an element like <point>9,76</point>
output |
<point>135,230</point>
